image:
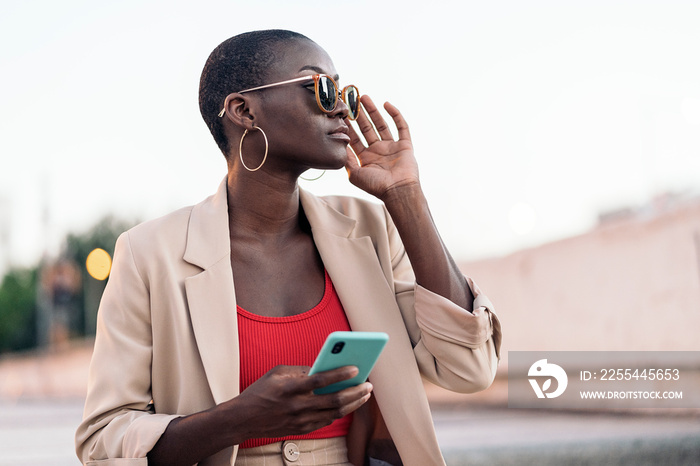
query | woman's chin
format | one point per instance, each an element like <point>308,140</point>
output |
<point>336,162</point>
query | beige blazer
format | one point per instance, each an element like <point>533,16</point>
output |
<point>167,336</point>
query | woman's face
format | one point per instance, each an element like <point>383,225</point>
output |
<point>300,135</point>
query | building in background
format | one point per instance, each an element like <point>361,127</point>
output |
<point>632,283</point>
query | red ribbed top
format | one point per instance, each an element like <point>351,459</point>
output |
<point>266,342</point>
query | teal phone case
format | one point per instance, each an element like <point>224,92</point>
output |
<point>359,349</point>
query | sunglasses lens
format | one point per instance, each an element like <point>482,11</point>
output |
<point>351,97</point>
<point>327,93</point>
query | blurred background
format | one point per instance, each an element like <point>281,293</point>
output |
<point>559,147</point>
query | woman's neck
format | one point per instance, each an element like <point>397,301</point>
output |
<point>262,208</point>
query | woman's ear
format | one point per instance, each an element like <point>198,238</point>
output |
<point>238,111</point>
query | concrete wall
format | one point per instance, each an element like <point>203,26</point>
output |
<point>632,283</point>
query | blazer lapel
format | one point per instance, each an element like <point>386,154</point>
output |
<point>370,305</point>
<point>210,294</point>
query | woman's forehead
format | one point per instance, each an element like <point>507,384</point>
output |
<point>299,57</point>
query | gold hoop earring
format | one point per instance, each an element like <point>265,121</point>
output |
<point>240,150</point>
<point>313,179</point>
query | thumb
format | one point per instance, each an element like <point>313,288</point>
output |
<point>351,163</point>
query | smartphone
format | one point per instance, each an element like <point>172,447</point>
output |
<point>359,349</point>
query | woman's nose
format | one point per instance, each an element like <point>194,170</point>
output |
<point>341,108</point>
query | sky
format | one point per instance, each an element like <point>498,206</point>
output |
<point>528,118</point>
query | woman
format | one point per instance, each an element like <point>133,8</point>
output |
<point>179,377</point>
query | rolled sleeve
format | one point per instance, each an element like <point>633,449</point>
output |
<point>143,434</point>
<point>458,350</point>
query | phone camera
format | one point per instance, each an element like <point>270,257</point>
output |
<point>338,347</point>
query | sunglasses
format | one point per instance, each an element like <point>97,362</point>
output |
<point>327,94</point>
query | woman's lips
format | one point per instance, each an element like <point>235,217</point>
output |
<point>341,133</point>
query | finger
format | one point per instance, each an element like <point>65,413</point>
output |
<point>346,400</point>
<point>365,124</point>
<point>356,392</point>
<point>355,405</point>
<point>399,121</point>
<point>355,141</point>
<point>325,378</point>
<point>377,118</point>
<point>326,408</point>
<point>351,163</point>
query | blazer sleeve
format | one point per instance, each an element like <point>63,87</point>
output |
<point>119,425</point>
<point>454,348</point>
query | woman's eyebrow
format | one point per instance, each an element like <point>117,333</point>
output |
<point>318,70</point>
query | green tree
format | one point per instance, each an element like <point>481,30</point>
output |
<point>18,309</point>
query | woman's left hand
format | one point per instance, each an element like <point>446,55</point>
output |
<point>384,164</point>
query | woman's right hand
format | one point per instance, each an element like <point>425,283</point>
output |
<point>278,404</point>
<point>282,402</point>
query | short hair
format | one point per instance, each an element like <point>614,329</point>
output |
<point>238,63</point>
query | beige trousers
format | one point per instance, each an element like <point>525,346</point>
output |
<point>327,451</point>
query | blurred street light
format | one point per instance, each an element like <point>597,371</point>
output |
<point>98,264</point>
